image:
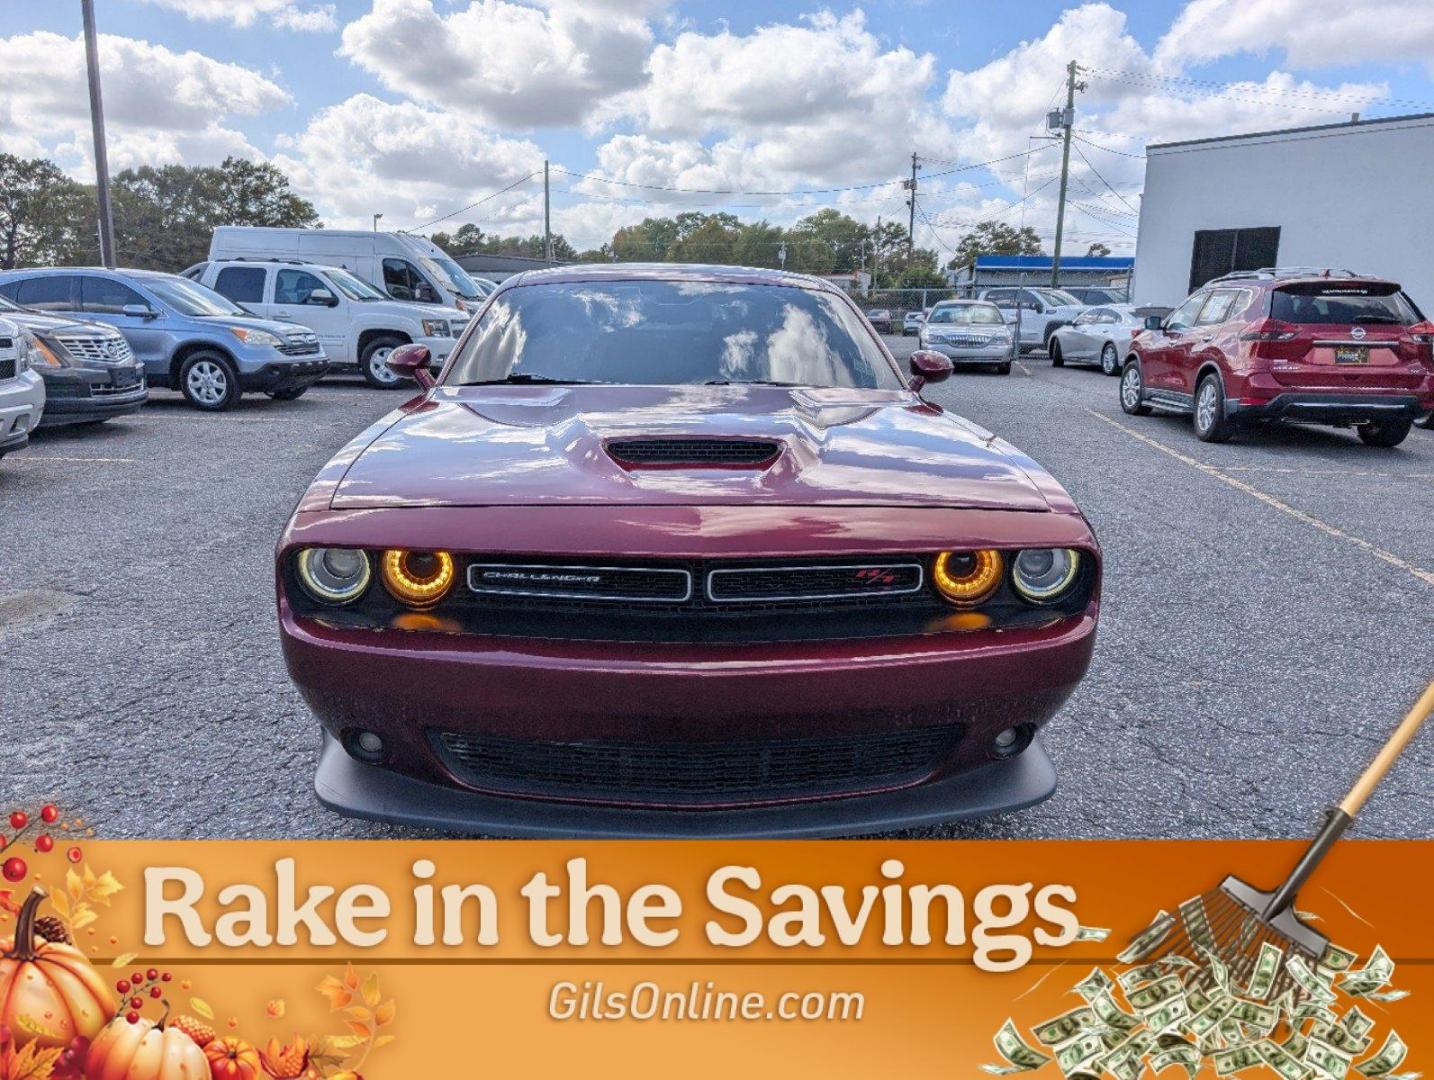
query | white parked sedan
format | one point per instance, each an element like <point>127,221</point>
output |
<point>969,332</point>
<point>22,393</point>
<point>1099,335</point>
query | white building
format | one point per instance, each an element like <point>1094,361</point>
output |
<point>1354,195</point>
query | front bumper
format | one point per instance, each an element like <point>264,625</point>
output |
<point>1329,408</point>
<point>368,791</point>
<point>278,376</point>
<point>86,395</point>
<point>998,353</point>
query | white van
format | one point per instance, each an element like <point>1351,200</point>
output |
<point>357,325</point>
<point>405,267</point>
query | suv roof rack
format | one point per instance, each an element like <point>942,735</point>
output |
<point>248,258</point>
<point>1271,273</point>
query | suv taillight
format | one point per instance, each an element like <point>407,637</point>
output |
<point>1422,332</point>
<point>1269,330</point>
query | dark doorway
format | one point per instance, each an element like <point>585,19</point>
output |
<point>1219,251</point>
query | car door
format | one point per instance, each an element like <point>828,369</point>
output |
<point>245,286</point>
<point>105,299</point>
<point>1162,351</point>
<point>1203,343</point>
<point>1078,339</point>
<point>308,300</point>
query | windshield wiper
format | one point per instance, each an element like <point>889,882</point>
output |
<point>749,382</point>
<point>523,378</point>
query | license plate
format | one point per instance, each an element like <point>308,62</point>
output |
<point>1351,354</point>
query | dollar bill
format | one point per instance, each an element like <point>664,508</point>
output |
<point>1186,1056</point>
<point>1080,1052</point>
<point>1387,995</point>
<point>1235,1059</point>
<point>1267,966</point>
<point>1282,1061</point>
<point>1340,1037</point>
<point>1374,975</point>
<point>1355,1022</point>
<point>1019,1055</point>
<point>1168,1015</point>
<point>1219,973</point>
<point>1208,1019</point>
<point>1112,1015</point>
<point>1329,1060</point>
<point>1092,933</point>
<point>1336,959</point>
<point>1094,984</point>
<point>1295,1044</point>
<point>1257,1015</point>
<point>1064,1028</point>
<point>1308,981</point>
<point>1151,996</point>
<point>1391,1055</point>
<point>1143,973</point>
<point>1149,939</point>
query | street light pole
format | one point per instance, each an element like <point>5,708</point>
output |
<point>547,217</point>
<point>97,123</point>
<point>376,218</point>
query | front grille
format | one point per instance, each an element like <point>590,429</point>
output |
<point>103,350</point>
<point>964,342</point>
<point>618,584</point>
<point>300,345</point>
<point>709,453</point>
<point>714,773</point>
<point>769,584</point>
<point>7,369</point>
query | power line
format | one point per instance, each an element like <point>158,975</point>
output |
<point>1250,92</point>
<point>1103,180</point>
<point>1112,150</point>
<point>1245,86</point>
<point>480,202</point>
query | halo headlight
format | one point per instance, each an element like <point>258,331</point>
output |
<point>965,578</point>
<point>418,578</point>
<point>1042,575</point>
<point>334,575</point>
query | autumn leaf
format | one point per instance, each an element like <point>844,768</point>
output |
<point>363,1031</point>
<point>123,960</point>
<point>74,885</point>
<point>351,979</point>
<point>384,1014</point>
<point>359,1013</point>
<point>32,1062</point>
<point>202,1007</point>
<point>371,994</point>
<point>276,1008</point>
<point>336,992</point>
<point>383,1040</point>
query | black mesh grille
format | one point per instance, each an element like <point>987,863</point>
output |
<point>580,583</point>
<point>716,773</point>
<point>768,584</point>
<point>7,369</point>
<point>737,453</point>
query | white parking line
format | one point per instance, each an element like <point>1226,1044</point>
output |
<point>1328,472</point>
<point>30,459</point>
<point>1378,552</point>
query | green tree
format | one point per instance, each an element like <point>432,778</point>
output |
<point>705,238</point>
<point>827,242</point>
<point>995,238</point>
<point>757,244</point>
<point>647,241</point>
<point>45,217</point>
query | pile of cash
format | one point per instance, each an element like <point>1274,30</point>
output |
<point>1300,1018</point>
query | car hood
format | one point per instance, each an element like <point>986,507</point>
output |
<point>398,309</point>
<point>55,324</point>
<point>522,445</point>
<point>284,330</point>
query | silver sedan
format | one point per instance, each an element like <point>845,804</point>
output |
<point>1099,335</point>
<point>969,332</point>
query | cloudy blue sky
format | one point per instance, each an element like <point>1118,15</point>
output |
<point>417,108</point>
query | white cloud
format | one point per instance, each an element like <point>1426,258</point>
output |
<point>365,155</point>
<point>509,63</point>
<point>1312,33</point>
<point>160,106</point>
<point>284,14</point>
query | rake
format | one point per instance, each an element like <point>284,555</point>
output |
<point>1235,920</point>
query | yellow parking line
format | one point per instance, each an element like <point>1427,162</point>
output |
<point>1378,552</point>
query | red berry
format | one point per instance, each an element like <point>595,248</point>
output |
<point>15,869</point>
<point>166,977</point>
<point>137,978</point>
<point>152,974</point>
<point>155,992</point>
<point>122,986</point>
<point>49,813</point>
<point>136,1003</point>
<point>19,819</point>
<point>43,844</point>
<point>132,1017</point>
<point>74,854</point>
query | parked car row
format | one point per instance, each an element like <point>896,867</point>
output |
<point>22,393</point>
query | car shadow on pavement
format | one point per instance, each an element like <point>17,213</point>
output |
<point>1281,436</point>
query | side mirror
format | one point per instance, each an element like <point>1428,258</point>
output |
<point>139,311</point>
<point>929,366</point>
<point>1154,322</point>
<point>324,297</point>
<point>411,362</point>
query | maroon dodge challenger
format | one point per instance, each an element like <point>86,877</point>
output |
<point>680,551</point>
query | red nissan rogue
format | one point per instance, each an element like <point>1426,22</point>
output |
<point>1311,346</point>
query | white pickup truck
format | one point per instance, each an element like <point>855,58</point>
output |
<point>357,325</point>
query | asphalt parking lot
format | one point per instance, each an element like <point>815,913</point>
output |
<point>1269,614</point>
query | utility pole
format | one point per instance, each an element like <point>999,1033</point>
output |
<point>910,185</point>
<point>547,217</point>
<point>1067,119</point>
<point>876,252</point>
<point>97,122</point>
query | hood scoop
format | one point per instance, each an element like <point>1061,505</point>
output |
<point>686,452</point>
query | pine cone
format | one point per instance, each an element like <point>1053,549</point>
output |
<point>52,929</point>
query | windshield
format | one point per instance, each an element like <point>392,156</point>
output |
<point>7,304</point>
<point>1336,304</point>
<point>1057,297</point>
<point>452,276</point>
<point>352,287</point>
<point>189,297</point>
<point>968,315</point>
<point>665,333</point>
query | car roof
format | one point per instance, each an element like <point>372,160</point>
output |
<point>732,275</point>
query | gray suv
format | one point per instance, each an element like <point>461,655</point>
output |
<point>188,337</point>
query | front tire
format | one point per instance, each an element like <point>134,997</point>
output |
<point>1132,386</point>
<point>1211,423</point>
<point>1384,432</point>
<point>373,364</point>
<point>1110,359</point>
<point>209,382</point>
<point>1057,357</point>
<point>1003,369</point>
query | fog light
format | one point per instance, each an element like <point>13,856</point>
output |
<point>334,575</point>
<point>418,578</point>
<point>967,577</point>
<point>370,743</point>
<point>1011,742</point>
<point>364,745</point>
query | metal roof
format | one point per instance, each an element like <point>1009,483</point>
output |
<point>1043,262</point>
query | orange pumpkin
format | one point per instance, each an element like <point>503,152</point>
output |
<point>49,994</point>
<point>233,1059</point>
<point>144,1051</point>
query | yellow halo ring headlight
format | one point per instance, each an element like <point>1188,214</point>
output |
<point>334,575</point>
<point>966,578</point>
<point>1043,575</point>
<point>418,578</point>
